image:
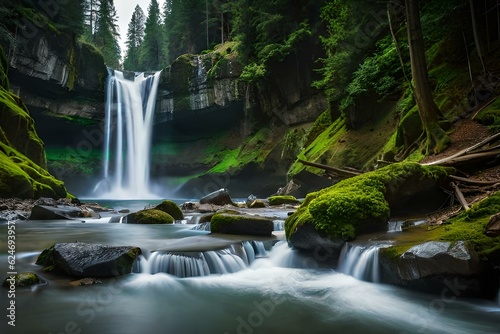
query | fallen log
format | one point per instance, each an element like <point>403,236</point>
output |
<point>340,171</point>
<point>470,157</point>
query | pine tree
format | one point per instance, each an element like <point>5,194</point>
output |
<point>107,34</point>
<point>90,11</point>
<point>153,55</point>
<point>135,36</point>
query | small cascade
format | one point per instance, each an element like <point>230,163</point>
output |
<point>361,261</point>
<point>199,96</point>
<point>192,264</point>
<point>279,225</point>
<point>395,226</point>
<point>201,227</point>
<point>129,110</point>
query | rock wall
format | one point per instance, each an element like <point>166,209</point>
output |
<point>53,71</point>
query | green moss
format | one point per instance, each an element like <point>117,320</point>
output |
<point>491,115</point>
<point>171,208</point>
<point>150,216</point>
<point>255,149</point>
<point>361,203</point>
<point>279,200</point>
<point>319,146</point>
<point>20,177</point>
<point>23,280</point>
<point>468,226</point>
<point>45,258</point>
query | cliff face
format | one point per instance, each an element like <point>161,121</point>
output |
<point>22,155</point>
<point>52,71</point>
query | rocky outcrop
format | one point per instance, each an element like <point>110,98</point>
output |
<point>197,82</point>
<point>53,71</point>
<point>85,260</point>
<point>434,266</point>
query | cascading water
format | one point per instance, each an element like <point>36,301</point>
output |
<point>361,262</point>
<point>192,264</point>
<point>130,105</point>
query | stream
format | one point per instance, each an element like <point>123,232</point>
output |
<point>273,291</point>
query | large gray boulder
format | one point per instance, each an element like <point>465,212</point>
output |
<point>435,258</point>
<point>46,212</point>
<point>89,260</point>
<point>218,197</point>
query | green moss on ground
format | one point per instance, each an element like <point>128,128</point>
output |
<point>150,216</point>
<point>361,203</point>
<point>279,200</point>
<point>171,208</point>
<point>468,226</point>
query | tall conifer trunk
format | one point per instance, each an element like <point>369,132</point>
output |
<point>437,139</point>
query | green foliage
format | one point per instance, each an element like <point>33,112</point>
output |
<point>153,53</point>
<point>150,216</point>
<point>293,143</point>
<point>106,34</point>
<point>360,203</point>
<point>320,124</point>
<point>171,208</point>
<point>253,72</point>
<point>320,145</point>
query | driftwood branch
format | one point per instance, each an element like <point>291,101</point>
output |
<point>460,196</point>
<point>340,171</point>
<point>477,151</point>
<point>475,182</point>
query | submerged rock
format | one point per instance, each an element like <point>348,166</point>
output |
<point>22,280</point>
<point>45,212</point>
<point>218,197</point>
<point>83,260</point>
<point>241,225</point>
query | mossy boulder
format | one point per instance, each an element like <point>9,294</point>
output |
<point>171,208</point>
<point>363,203</point>
<point>280,200</point>
<point>22,280</point>
<point>241,225</point>
<point>150,216</point>
<point>81,259</point>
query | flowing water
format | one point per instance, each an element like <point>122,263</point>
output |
<point>130,105</point>
<point>273,291</point>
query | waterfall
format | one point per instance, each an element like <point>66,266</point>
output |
<point>192,264</point>
<point>395,226</point>
<point>129,110</point>
<point>361,262</point>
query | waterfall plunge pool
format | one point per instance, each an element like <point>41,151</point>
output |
<point>278,293</point>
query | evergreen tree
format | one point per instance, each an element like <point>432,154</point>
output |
<point>153,49</point>
<point>90,14</point>
<point>106,34</point>
<point>135,36</point>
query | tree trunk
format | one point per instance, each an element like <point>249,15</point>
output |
<point>437,139</point>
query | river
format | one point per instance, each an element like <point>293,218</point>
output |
<point>275,294</point>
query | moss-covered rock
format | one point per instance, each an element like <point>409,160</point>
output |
<point>149,216</point>
<point>363,203</point>
<point>171,208</point>
<point>284,199</point>
<point>241,225</point>
<point>22,280</point>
